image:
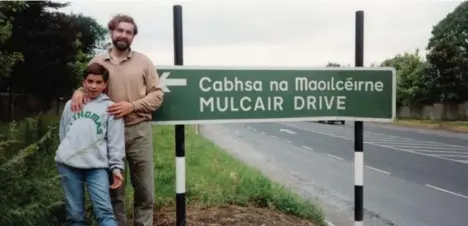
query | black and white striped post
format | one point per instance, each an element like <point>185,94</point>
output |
<point>179,129</point>
<point>358,131</point>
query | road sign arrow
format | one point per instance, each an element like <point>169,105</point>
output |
<point>166,82</point>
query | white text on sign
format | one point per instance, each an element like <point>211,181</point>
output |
<point>277,94</point>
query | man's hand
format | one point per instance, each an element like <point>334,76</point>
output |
<point>118,180</point>
<point>79,99</point>
<point>120,109</point>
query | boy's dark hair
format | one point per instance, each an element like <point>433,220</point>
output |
<point>96,69</point>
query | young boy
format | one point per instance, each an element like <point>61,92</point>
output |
<point>92,143</point>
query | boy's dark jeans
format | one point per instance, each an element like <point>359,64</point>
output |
<point>73,182</point>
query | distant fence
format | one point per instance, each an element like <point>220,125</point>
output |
<point>435,111</point>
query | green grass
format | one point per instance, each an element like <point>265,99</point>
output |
<point>457,126</point>
<point>31,193</point>
<point>216,178</point>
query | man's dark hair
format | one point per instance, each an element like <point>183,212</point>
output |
<point>96,69</point>
<point>114,22</point>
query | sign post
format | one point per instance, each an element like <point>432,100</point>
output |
<point>179,128</point>
<point>359,130</point>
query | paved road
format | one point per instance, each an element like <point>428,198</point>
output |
<point>412,178</point>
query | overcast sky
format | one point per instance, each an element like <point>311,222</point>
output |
<point>274,32</point>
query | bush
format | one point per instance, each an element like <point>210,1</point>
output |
<point>30,185</point>
<point>16,136</point>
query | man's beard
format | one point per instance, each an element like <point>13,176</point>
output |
<point>121,45</point>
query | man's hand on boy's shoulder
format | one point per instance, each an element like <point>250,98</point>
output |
<point>117,179</point>
<point>79,99</point>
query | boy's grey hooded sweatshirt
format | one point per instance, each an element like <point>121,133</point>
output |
<point>91,138</point>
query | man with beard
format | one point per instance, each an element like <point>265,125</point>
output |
<point>134,87</point>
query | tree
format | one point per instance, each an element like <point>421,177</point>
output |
<point>89,41</point>
<point>43,51</point>
<point>54,45</point>
<point>7,59</point>
<point>413,87</point>
<point>92,35</point>
<point>448,56</point>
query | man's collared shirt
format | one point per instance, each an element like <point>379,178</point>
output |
<point>133,80</point>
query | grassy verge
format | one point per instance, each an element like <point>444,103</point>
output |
<point>215,178</point>
<point>456,126</point>
<point>31,193</point>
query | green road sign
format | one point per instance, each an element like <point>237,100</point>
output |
<point>198,95</point>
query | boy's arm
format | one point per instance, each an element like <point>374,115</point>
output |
<point>64,121</point>
<point>116,143</point>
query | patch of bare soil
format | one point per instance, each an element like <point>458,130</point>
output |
<point>229,216</point>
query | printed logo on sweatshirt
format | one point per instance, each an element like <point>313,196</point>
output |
<point>89,115</point>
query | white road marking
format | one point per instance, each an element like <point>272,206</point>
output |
<point>305,147</point>
<point>288,141</point>
<point>273,136</point>
<point>382,139</point>
<point>287,131</point>
<point>334,156</point>
<point>419,146</point>
<point>458,156</point>
<point>447,191</point>
<point>378,170</point>
<point>412,143</point>
<point>408,140</point>
<point>434,151</point>
<point>262,132</point>
<point>375,143</point>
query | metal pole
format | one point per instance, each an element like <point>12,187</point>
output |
<point>358,131</point>
<point>179,129</point>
